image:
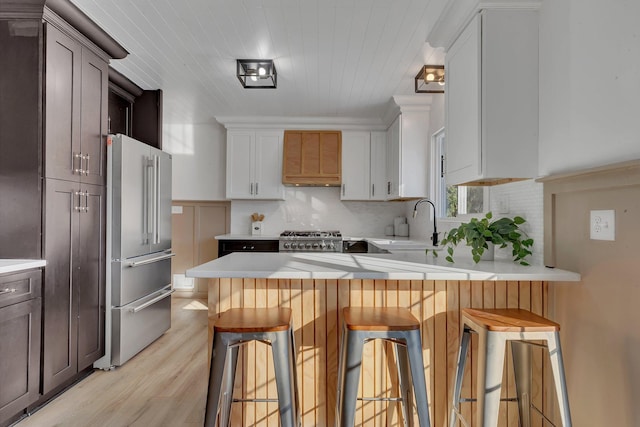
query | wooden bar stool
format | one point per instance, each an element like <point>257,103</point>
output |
<point>521,328</point>
<point>399,326</point>
<point>237,327</point>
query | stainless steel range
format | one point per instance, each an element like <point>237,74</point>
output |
<point>310,241</point>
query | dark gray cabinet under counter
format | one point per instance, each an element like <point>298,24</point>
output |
<point>20,334</point>
<point>225,247</point>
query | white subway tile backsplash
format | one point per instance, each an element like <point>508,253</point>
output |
<point>315,208</point>
<point>523,198</point>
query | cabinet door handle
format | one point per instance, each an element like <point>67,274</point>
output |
<point>78,207</point>
<point>388,187</point>
<point>86,201</point>
<point>256,188</point>
<point>442,167</point>
<point>373,190</point>
<point>7,291</point>
<point>80,157</point>
<point>87,158</point>
<point>251,190</point>
<point>344,186</point>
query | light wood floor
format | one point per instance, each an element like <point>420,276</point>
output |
<point>164,385</point>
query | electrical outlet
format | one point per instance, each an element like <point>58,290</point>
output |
<point>603,225</point>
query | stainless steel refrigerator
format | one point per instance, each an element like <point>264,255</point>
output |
<point>138,297</point>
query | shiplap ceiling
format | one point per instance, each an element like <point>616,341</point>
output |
<point>335,58</point>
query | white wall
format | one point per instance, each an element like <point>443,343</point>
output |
<point>589,83</point>
<point>199,160</point>
<point>590,116</point>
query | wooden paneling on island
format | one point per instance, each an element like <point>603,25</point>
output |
<point>317,305</point>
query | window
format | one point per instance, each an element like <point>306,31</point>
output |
<point>452,200</point>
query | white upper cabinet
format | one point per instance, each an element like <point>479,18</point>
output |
<point>378,164</point>
<point>356,165</point>
<point>492,99</point>
<point>254,165</point>
<point>407,142</point>
<point>363,165</point>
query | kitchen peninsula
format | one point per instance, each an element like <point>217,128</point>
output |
<point>316,286</point>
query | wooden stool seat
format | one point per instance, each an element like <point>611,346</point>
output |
<point>253,320</point>
<point>509,320</point>
<point>379,319</point>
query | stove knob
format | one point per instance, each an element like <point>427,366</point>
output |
<point>294,245</point>
<point>286,245</point>
<point>331,246</point>
<point>323,245</point>
<point>308,245</point>
<point>316,246</point>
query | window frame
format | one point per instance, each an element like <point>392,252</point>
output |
<point>438,187</point>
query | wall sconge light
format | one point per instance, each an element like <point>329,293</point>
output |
<point>257,73</point>
<point>430,79</point>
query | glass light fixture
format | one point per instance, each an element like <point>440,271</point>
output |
<point>430,79</point>
<point>256,73</point>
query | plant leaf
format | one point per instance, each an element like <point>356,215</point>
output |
<point>519,220</point>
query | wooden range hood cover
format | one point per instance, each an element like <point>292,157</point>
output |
<point>312,158</point>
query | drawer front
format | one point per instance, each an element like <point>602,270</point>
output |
<point>138,324</point>
<point>18,287</point>
<point>135,278</point>
<point>226,247</point>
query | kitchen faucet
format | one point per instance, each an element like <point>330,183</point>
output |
<point>434,236</point>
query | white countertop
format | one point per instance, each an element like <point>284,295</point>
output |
<point>15,265</point>
<point>247,237</point>
<point>402,265</point>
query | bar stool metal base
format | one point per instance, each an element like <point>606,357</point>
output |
<point>491,350</point>
<point>223,368</point>
<point>408,354</point>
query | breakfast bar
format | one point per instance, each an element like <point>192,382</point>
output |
<point>316,286</point>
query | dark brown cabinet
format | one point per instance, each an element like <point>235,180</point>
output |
<point>53,131</point>
<point>133,111</point>
<point>76,104</point>
<point>74,296</point>
<point>20,331</point>
<point>225,247</point>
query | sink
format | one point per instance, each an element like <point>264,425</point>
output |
<point>403,245</point>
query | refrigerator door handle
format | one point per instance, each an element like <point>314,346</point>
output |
<point>151,260</point>
<point>156,200</point>
<point>151,302</point>
<point>148,200</point>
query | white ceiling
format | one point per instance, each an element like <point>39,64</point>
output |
<point>335,58</point>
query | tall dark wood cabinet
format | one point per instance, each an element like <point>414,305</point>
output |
<point>53,129</point>
<point>75,292</point>
<point>75,207</point>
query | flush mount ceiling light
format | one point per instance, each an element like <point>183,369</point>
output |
<point>430,79</point>
<point>257,73</point>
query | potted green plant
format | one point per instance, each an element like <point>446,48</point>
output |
<point>480,233</point>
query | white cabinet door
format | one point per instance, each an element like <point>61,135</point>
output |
<point>240,164</point>
<point>492,99</point>
<point>378,166</point>
<point>254,165</point>
<point>268,166</point>
<point>393,159</point>
<point>355,165</point>
<point>463,106</point>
